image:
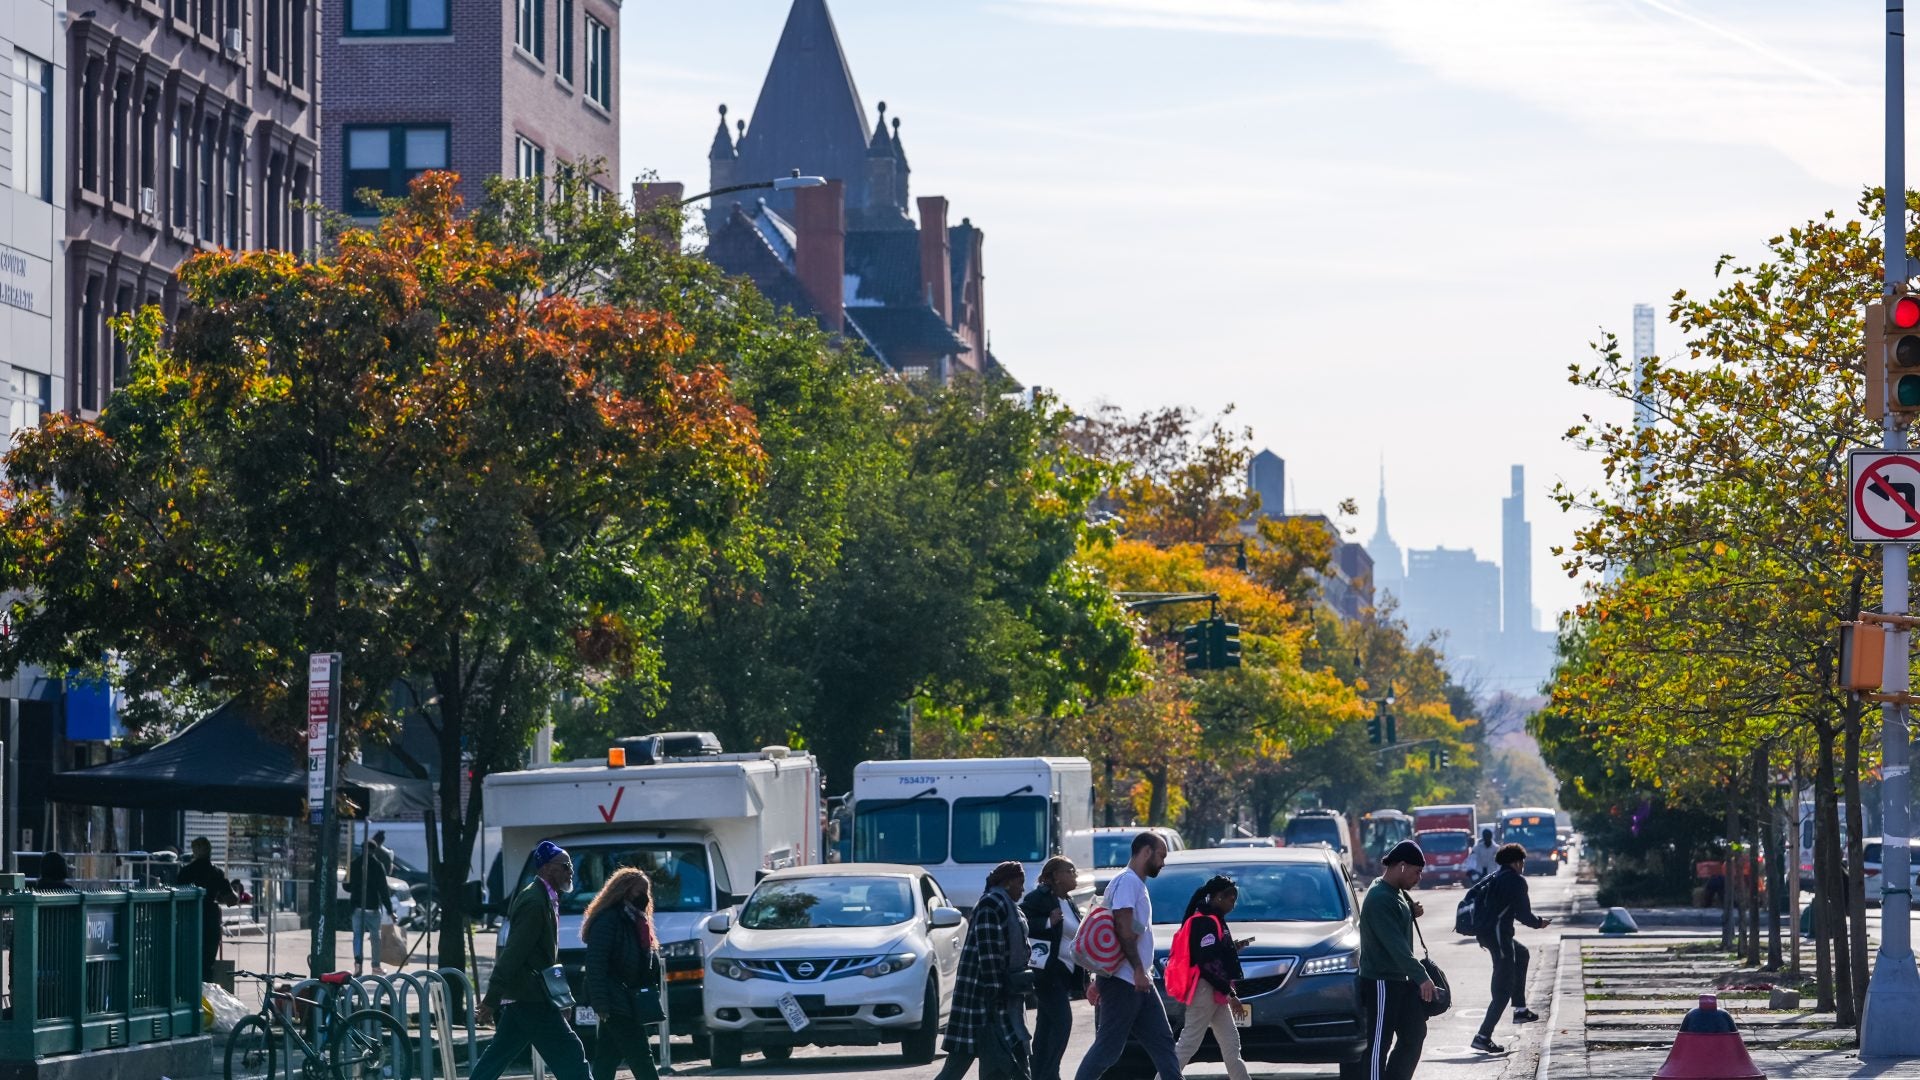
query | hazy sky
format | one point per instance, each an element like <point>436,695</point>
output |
<point>1380,228</point>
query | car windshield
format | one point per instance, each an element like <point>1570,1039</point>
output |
<point>993,830</point>
<point>1443,841</point>
<point>679,872</point>
<point>1269,891</point>
<point>1110,851</point>
<point>1314,830</point>
<point>827,902</point>
<point>900,831</point>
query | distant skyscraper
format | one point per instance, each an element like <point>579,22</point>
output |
<point>1642,352</point>
<point>1389,573</point>
<point>1454,591</point>
<point>1516,558</point>
<point>1267,478</point>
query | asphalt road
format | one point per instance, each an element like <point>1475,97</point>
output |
<point>1447,1053</point>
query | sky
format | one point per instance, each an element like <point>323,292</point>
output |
<point>1379,230</point>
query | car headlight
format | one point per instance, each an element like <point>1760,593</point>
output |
<point>1343,963</point>
<point>887,965</point>
<point>681,950</point>
<point>731,969</point>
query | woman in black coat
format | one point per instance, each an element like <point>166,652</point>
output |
<point>623,959</point>
<point>1051,918</point>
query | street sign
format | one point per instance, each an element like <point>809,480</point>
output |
<point>322,693</point>
<point>1883,506</point>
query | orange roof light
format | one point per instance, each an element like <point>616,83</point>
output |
<point>616,757</point>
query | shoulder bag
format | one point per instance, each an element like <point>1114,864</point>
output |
<point>1442,993</point>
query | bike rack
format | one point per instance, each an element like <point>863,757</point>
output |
<point>329,999</point>
<point>455,975</point>
<point>437,1027</point>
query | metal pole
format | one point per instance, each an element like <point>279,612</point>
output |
<point>1890,1024</point>
<point>12,829</point>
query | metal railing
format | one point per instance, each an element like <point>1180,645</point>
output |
<point>96,970</point>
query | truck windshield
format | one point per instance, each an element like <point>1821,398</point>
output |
<point>681,878</point>
<point>1379,835</point>
<point>992,830</point>
<point>1110,850</point>
<point>827,902</point>
<point>1530,831</point>
<point>900,831</point>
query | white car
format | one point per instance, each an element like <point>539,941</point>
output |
<point>846,954</point>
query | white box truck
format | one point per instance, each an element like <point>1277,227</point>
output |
<point>961,817</point>
<point>702,828</point>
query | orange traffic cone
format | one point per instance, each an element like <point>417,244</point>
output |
<point>1708,1048</point>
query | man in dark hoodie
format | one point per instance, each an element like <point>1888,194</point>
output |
<point>1506,898</point>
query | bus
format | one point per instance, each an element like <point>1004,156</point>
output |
<point>1533,828</point>
<point>1379,832</point>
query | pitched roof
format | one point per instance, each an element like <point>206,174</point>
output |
<point>808,116</point>
<point>887,262</point>
<point>903,334</point>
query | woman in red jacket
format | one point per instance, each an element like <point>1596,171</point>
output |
<point>1215,957</point>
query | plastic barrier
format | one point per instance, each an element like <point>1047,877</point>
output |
<point>1708,1047</point>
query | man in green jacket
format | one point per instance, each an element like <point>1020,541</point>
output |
<point>518,991</point>
<point>1392,984</point>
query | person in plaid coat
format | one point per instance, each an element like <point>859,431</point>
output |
<point>988,1020</point>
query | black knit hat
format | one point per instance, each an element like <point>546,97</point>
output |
<point>1406,851</point>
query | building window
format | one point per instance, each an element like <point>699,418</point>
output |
<point>205,23</point>
<point>149,143</point>
<point>397,17</point>
<point>117,164</point>
<point>530,26</point>
<point>177,166</point>
<point>563,41</point>
<point>90,344</point>
<point>122,303</point>
<point>298,226</point>
<point>530,161</point>
<point>270,42</point>
<point>297,51</point>
<point>33,125</point>
<point>236,159</point>
<point>183,10</point>
<point>209,154</point>
<point>26,396</point>
<point>90,126</point>
<point>599,63</point>
<point>388,157</point>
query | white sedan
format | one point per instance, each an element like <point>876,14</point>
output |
<point>848,954</point>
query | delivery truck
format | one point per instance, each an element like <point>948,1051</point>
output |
<point>703,828</point>
<point>960,817</point>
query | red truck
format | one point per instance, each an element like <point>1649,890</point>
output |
<point>1446,835</point>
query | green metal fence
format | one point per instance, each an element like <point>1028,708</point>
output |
<point>83,971</point>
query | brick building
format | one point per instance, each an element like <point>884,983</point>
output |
<point>849,253</point>
<point>192,126</point>
<point>483,87</point>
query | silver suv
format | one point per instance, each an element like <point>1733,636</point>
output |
<point>1328,827</point>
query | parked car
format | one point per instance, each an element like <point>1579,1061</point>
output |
<point>1870,856</point>
<point>1327,827</point>
<point>1113,847</point>
<point>1447,852</point>
<point>1298,971</point>
<point>1246,842</point>
<point>404,908</point>
<point>842,954</point>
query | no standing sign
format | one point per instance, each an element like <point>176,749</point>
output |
<point>1884,502</point>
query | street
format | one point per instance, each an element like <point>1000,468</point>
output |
<point>1447,1054</point>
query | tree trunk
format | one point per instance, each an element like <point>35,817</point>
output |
<point>1831,887</point>
<point>1106,795</point>
<point>1776,890</point>
<point>1758,826</point>
<point>1729,882</point>
<point>1157,796</point>
<point>1855,859</point>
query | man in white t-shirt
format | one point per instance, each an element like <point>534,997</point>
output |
<point>1125,1003</point>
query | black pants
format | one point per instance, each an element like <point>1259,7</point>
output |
<point>959,1061</point>
<point>537,1024</point>
<point>1396,1027</point>
<point>209,944</point>
<point>1052,1023</point>
<point>1509,977</point>
<point>621,1039</point>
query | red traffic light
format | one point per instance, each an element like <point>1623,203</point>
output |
<point>1906,313</point>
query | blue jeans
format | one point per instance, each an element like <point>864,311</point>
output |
<point>537,1024</point>
<point>366,923</point>
<point>1124,1011</point>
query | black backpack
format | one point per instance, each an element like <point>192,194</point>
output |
<point>1475,915</point>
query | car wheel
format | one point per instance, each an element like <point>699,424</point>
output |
<point>777,1054</point>
<point>918,1046</point>
<point>726,1050</point>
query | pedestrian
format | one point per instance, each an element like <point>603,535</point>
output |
<point>1125,1003</point>
<point>53,874</point>
<point>518,990</point>
<point>1052,920</point>
<point>1506,898</point>
<point>1393,985</point>
<point>1215,956</point>
<point>988,1021</point>
<point>623,964</point>
<point>199,872</point>
<point>369,896</point>
<point>1481,862</point>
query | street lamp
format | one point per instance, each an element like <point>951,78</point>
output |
<point>784,183</point>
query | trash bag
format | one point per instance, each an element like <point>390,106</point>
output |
<point>226,1009</point>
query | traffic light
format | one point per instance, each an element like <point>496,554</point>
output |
<point>1393,732</point>
<point>1193,647</point>
<point>1373,728</point>
<point>1898,351</point>
<point>1446,759</point>
<point>1225,639</point>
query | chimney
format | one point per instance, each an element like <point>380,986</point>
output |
<point>820,250</point>
<point>936,261</point>
<point>654,206</point>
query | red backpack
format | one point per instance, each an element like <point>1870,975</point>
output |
<point>1182,977</point>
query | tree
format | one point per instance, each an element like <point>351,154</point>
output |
<point>406,452</point>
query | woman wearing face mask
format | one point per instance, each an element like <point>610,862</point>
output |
<point>1052,921</point>
<point>1215,957</point>
<point>623,966</point>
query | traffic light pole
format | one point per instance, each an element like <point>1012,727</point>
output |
<point>1890,1025</point>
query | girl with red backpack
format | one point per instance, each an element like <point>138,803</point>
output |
<point>1201,969</point>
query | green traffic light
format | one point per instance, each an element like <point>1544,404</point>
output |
<point>1906,389</point>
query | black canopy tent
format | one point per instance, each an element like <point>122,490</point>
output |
<point>223,764</point>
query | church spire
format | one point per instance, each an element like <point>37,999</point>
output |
<point>880,145</point>
<point>808,116</point>
<point>722,149</point>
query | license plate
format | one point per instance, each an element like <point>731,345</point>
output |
<point>584,1016</point>
<point>1242,1014</point>
<point>796,1016</point>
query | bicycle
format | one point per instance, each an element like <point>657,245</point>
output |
<point>367,1044</point>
